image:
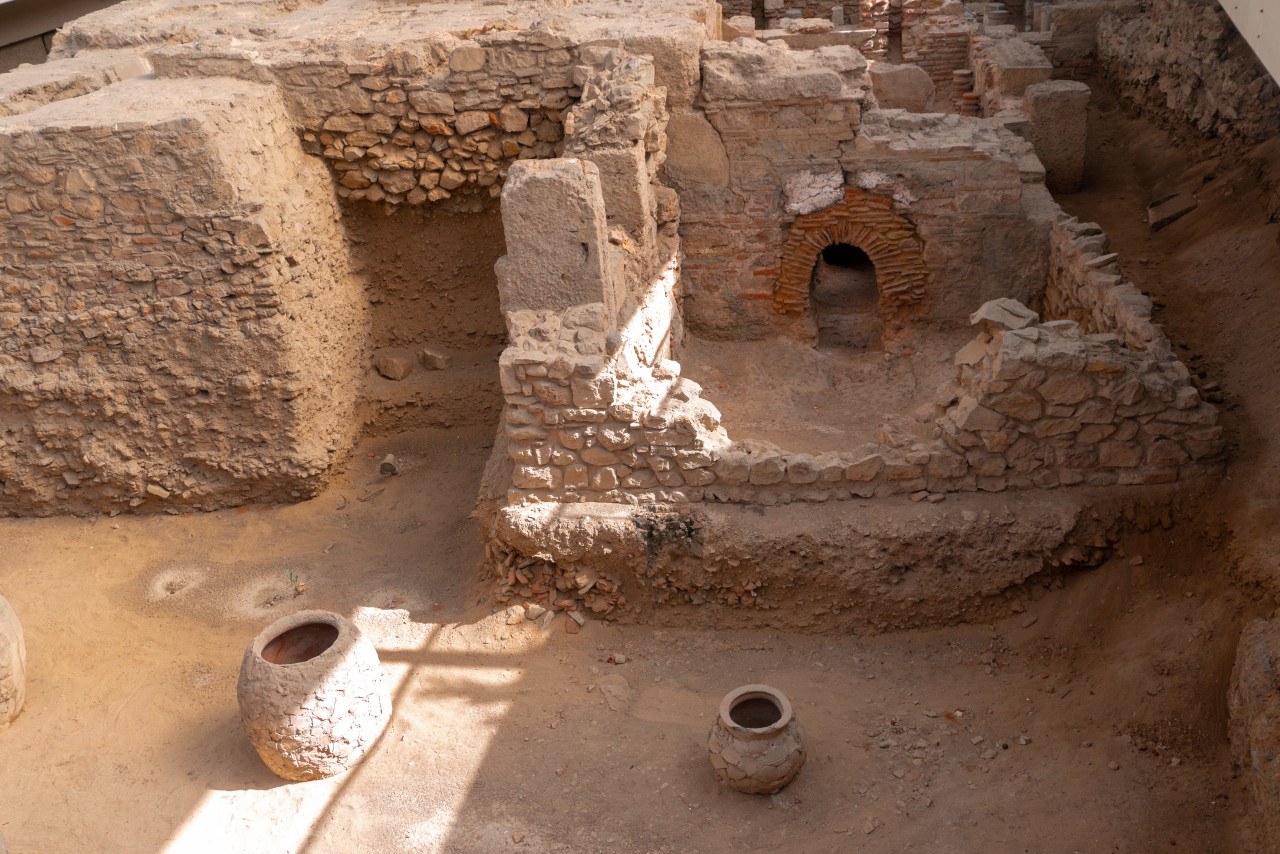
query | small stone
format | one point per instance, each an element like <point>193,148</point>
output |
<point>919,496</point>
<point>935,498</point>
<point>1029,621</point>
<point>571,627</point>
<point>514,615</point>
<point>1136,560</point>
<point>1024,739</point>
<point>1113,765</point>
<point>433,360</point>
<point>393,368</point>
<point>533,612</point>
<point>577,617</point>
<point>157,491</point>
<point>619,658</point>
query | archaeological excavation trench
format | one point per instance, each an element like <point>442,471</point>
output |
<point>563,402</point>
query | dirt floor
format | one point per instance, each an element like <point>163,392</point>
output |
<point>1093,722</point>
<point>822,399</point>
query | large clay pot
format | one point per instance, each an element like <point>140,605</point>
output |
<point>756,744</point>
<point>311,695</point>
<point>13,665</point>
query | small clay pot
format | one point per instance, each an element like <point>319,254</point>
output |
<point>311,695</point>
<point>13,665</point>
<point>756,744</point>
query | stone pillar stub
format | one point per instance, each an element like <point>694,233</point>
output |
<point>553,217</point>
<point>13,666</point>
<point>1058,110</point>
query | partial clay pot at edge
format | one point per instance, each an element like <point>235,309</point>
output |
<point>13,665</point>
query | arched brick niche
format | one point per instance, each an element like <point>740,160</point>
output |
<point>869,223</point>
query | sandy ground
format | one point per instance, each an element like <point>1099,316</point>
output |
<point>829,399</point>
<point>1094,722</point>
<point>506,737</point>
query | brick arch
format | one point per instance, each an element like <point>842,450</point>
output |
<point>869,223</point>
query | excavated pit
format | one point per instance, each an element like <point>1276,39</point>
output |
<point>908,413</point>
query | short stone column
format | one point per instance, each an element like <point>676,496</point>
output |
<point>553,218</point>
<point>13,669</point>
<point>1058,110</point>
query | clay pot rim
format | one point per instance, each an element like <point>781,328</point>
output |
<point>291,621</point>
<point>747,692</point>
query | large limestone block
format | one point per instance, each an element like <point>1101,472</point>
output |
<point>628,194</point>
<point>902,87</point>
<point>695,154</point>
<point>553,217</point>
<point>755,73</point>
<point>675,47</point>
<point>13,668</point>
<point>1058,110</point>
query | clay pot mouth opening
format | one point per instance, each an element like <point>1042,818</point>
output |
<point>755,711</point>
<point>300,643</point>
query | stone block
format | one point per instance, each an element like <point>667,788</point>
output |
<point>902,87</point>
<point>553,216</point>
<point>468,58</point>
<point>971,415</point>
<point>801,468</point>
<point>739,27</point>
<point>593,392</point>
<point>1166,210</point>
<point>768,470</point>
<point>733,468</point>
<point>865,468</point>
<point>1058,110</point>
<point>433,360</point>
<point>393,368</point>
<point>427,103</point>
<point>628,193</point>
<point>695,154</point>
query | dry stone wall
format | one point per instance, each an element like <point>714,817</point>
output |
<point>420,127</point>
<point>159,334</point>
<point>1085,285</point>
<point>1044,404</point>
<point>1184,63</point>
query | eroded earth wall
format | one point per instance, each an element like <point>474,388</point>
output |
<point>178,323</point>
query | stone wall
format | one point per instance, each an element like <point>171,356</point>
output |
<point>1003,68</point>
<point>1182,62</point>
<point>1085,285</point>
<point>160,333</point>
<point>940,44</point>
<point>784,133</point>
<point>1045,404</point>
<point>595,413</point>
<point>420,128</point>
<point>1072,40</point>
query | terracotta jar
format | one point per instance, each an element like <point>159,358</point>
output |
<point>13,665</point>
<point>311,695</point>
<point>756,744</point>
